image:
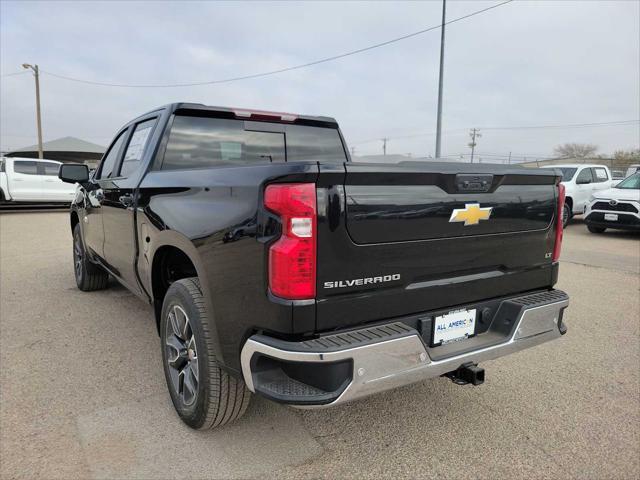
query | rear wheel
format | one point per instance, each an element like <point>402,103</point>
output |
<point>204,395</point>
<point>89,276</point>
<point>566,215</point>
<point>593,229</point>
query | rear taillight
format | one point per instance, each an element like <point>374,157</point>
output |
<point>292,258</point>
<point>559,221</point>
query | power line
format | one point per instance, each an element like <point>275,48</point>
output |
<point>14,73</point>
<point>523,127</point>
<point>569,125</point>
<point>281,70</point>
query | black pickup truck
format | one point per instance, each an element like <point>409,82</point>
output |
<point>276,265</point>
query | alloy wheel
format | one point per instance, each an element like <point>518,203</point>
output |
<point>78,255</point>
<point>182,355</point>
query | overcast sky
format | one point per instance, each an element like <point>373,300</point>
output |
<point>521,64</point>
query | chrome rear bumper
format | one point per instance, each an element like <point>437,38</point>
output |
<point>397,354</point>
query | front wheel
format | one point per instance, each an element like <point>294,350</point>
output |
<point>89,276</point>
<point>593,229</point>
<point>204,395</point>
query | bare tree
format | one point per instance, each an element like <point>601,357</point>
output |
<point>627,155</point>
<point>575,150</point>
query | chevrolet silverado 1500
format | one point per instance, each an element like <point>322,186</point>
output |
<point>276,265</point>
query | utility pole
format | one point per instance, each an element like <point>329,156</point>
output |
<point>440,81</point>
<point>475,133</point>
<point>509,158</point>
<point>353,151</point>
<point>36,73</point>
<point>384,146</point>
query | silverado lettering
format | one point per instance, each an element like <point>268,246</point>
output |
<point>362,281</point>
<point>227,222</point>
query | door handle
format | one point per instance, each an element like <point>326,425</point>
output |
<point>126,200</point>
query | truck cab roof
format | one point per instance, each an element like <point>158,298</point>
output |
<point>246,114</point>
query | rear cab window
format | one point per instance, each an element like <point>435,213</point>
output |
<point>202,142</point>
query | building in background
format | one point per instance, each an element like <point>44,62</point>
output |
<point>66,150</point>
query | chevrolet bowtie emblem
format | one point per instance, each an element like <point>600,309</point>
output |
<point>471,214</point>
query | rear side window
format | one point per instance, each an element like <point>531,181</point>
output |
<point>199,142</point>
<point>585,176</point>
<point>600,175</point>
<point>1,166</point>
<point>25,167</point>
<point>50,168</point>
<point>136,147</point>
<point>109,161</point>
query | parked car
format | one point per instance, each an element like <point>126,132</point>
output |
<point>31,180</point>
<point>618,207</point>
<point>277,266</point>
<point>618,175</point>
<point>581,181</point>
<point>632,169</point>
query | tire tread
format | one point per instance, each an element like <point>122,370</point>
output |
<point>227,397</point>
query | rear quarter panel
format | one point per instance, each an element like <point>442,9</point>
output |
<point>215,216</point>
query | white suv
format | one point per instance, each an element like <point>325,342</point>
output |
<point>581,181</point>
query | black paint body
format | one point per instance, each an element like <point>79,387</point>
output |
<point>373,220</point>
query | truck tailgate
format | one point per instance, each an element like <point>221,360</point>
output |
<point>412,237</point>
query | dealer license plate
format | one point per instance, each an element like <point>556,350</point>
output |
<point>613,217</point>
<point>454,326</point>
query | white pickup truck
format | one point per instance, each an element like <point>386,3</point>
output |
<point>33,180</point>
<point>581,181</point>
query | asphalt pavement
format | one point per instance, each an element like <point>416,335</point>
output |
<point>83,395</point>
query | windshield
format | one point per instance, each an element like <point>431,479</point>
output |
<point>567,172</point>
<point>630,183</point>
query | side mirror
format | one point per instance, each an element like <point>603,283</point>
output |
<point>71,173</point>
<point>583,181</point>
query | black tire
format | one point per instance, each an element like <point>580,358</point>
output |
<point>566,215</point>
<point>204,395</point>
<point>89,276</point>
<point>593,229</point>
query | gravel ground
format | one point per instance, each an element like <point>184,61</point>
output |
<point>83,395</point>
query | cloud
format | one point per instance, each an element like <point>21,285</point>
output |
<point>525,63</point>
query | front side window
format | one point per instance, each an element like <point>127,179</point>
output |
<point>600,175</point>
<point>109,161</point>
<point>585,176</point>
<point>135,149</point>
<point>50,169</point>
<point>25,167</point>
